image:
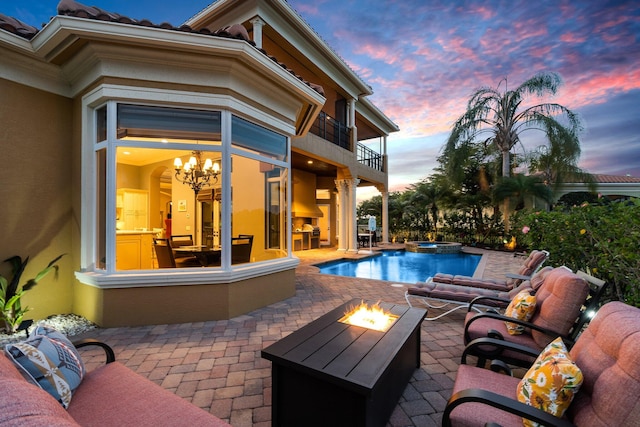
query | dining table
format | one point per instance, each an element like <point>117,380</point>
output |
<point>207,256</point>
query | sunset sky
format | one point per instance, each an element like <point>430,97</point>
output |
<point>423,59</point>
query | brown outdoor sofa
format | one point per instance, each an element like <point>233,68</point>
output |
<point>110,395</point>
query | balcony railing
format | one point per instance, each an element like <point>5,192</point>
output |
<point>332,130</point>
<point>338,133</point>
<point>368,157</point>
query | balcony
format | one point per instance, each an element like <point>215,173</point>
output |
<point>338,133</point>
<point>368,157</point>
<point>332,130</point>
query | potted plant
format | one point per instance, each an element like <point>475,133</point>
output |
<point>11,309</point>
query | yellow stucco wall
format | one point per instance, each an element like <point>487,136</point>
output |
<point>180,304</point>
<point>36,191</point>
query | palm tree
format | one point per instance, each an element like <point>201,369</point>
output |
<point>501,116</point>
<point>519,187</point>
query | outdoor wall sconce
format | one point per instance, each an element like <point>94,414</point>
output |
<point>196,173</point>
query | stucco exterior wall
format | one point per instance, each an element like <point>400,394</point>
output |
<point>36,209</point>
<point>179,304</point>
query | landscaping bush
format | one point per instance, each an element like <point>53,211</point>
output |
<point>600,238</point>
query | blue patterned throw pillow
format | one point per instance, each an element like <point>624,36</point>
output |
<point>48,359</point>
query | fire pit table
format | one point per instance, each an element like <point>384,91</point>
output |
<point>330,373</point>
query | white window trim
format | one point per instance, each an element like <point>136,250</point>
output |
<point>109,277</point>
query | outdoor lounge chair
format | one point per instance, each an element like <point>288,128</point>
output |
<point>564,302</point>
<point>608,355</point>
<point>441,295</point>
<point>532,264</point>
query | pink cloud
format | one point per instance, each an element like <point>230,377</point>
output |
<point>572,38</point>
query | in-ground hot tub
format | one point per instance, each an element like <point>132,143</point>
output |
<point>433,247</point>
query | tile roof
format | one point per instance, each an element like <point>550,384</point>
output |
<point>607,179</point>
<point>615,179</point>
<point>17,27</point>
<point>79,10</point>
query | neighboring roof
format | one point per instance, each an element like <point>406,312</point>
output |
<point>608,179</point>
<point>615,179</point>
<point>79,10</point>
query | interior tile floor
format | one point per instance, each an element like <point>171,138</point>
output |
<point>217,366</point>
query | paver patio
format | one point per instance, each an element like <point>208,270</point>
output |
<point>217,365</point>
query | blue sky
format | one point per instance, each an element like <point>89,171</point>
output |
<point>424,58</point>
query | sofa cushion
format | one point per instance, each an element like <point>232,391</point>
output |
<point>48,359</point>
<point>115,395</point>
<point>559,301</point>
<point>521,307</point>
<point>608,353</point>
<point>8,369</point>
<point>23,404</point>
<point>551,382</point>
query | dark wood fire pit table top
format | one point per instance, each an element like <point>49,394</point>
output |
<point>329,373</point>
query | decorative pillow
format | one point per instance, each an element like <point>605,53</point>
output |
<point>521,307</point>
<point>48,359</point>
<point>551,382</point>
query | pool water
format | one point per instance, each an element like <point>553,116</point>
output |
<point>402,266</point>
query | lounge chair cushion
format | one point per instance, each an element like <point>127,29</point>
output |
<point>551,382</point>
<point>558,303</point>
<point>530,265</point>
<point>48,359</point>
<point>521,307</point>
<point>456,293</point>
<point>477,414</point>
<point>608,353</point>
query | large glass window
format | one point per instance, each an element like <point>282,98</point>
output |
<point>163,201</point>
<point>258,208</point>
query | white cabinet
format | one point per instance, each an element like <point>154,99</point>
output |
<point>133,209</point>
<point>134,251</point>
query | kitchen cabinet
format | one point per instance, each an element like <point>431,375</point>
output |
<point>132,209</point>
<point>300,240</point>
<point>134,250</point>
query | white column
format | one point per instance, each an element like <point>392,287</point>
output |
<point>341,185</point>
<point>385,216</point>
<point>351,123</point>
<point>257,31</point>
<point>352,214</point>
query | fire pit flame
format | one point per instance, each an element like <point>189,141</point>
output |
<point>370,317</point>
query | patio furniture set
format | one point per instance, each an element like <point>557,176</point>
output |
<point>331,372</point>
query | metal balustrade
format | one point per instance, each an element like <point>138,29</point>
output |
<point>338,133</point>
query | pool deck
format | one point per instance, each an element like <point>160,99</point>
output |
<point>217,365</point>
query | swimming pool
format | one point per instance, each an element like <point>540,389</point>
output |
<point>403,266</point>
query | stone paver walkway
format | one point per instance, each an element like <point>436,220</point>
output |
<point>217,365</point>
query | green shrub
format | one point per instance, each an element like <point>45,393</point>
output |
<point>11,292</point>
<point>600,238</point>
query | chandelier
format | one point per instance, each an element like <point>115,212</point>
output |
<point>196,173</point>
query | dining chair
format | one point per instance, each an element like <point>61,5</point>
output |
<point>241,248</point>
<point>184,259</point>
<point>164,253</point>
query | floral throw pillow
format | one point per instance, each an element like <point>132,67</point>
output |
<point>551,382</point>
<point>521,307</point>
<point>48,359</point>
